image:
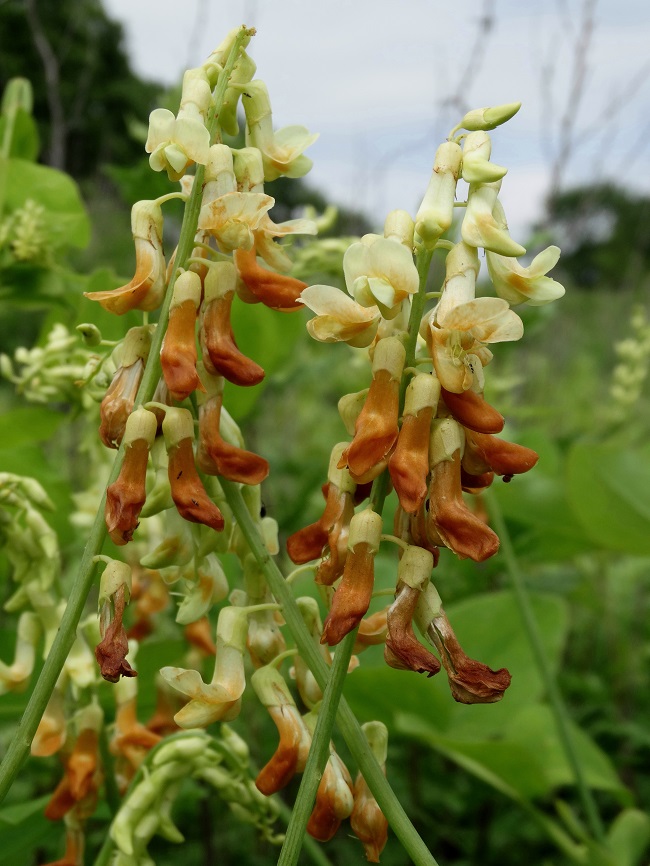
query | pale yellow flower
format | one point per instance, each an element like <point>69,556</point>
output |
<point>380,272</point>
<point>518,285</point>
<point>458,340</point>
<point>339,318</point>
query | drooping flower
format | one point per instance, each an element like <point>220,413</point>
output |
<point>114,594</point>
<point>471,682</point>
<point>215,455</point>
<point>290,756</point>
<point>14,677</point>
<point>449,518</point>
<point>519,285</point>
<point>367,820</point>
<point>352,597</point>
<point>376,429</point>
<point>147,288</point>
<point>473,411</point>
<point>119,399</point>
<point>51,732</point>
<point>334,800</point>
<point>477,167</point>
<point>409,463</point>
<point>277,291</point>
<point>220,353</point>
<point>490,454</point>
<point>220,700</point>
<point>403,651</point>
<point>188,492</point>
<point>178,353</point>
<point>127,494</point>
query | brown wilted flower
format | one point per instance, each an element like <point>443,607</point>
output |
<point>178,353</point>
<point>449,517</point>
<point>188,493</point>
<point>352,597</point>
<point>131,740</point>
<point>147,288</point>
<point>409,463</point>
<point>471,682</point>
<point>277,291</point>
<point>403,651</point>
<point>111,652</point>
<point>119,399</point>
<point>376,428</point>
<point>51,732</point>
<point>367,820</point>
<point>215,456</point>
<point>220,353</point>
<point>127,494</point>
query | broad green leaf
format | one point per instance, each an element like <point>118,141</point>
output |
<point>511,768</point>
<point>607,489</point>
<point>28,424</point>
<point>628,836</point>
<point>67,219</point>
<point>534,727</point>
<point>23,827</point>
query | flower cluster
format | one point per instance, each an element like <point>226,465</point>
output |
<point>424,418</point>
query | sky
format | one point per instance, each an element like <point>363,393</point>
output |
<point>384,81</point>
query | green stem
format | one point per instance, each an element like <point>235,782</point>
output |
<point>21,741</point>
<point>318,753</point>
<point>346,720</point>
<point>560,712</point>
<point>108,765</point>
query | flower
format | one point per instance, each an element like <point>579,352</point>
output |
<point>178,353</point>
<point>480,228</point>
<point>282,151</point>
<point>233,218</point>
<point>488,453</point>
<point>367,820</point>
<point>409,463</point>
<point>473,411</point>
<point>119,399</point>
<point>114,594</point>
<point>147,288</point>
<point>380,272</point>
<point>290,756</point>
<point>188,493</point>
<point>458,340</point>
<point>220,353</point>
<point>127,494</point>
<point>352,597</point>
<point>277,291</point>
<point>339,318</point>
<point>518,285</point>
<point>334,800</point>
<point>376,428</point>
<point>220,700</point>
<point>449,518</point>
<point>436,212</point>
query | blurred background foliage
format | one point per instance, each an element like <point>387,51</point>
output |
<point>483,783</point>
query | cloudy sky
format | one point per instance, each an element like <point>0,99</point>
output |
<point>383,82</point>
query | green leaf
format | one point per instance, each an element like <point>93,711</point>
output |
<point>607,489</point>
<point>24,140</point>
<point>28,424</point>
<point>511,768</point>
<point>23,828</point>
<point>534,727</point>
<point>628,836</point>
<point>68,222</point>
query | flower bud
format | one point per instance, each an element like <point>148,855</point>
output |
<point>436,212</point>
<point>480,228</point>
<point>367,820</point>
<point>477,167</point>
<point>489,118</point>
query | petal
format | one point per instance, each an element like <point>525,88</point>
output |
<point>356,263</point>
<point>393,261</point>
<point>544,262</point>
<point>327,300</point>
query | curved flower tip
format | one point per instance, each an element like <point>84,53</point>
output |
<point>188,493</point>
<point>111,652</point>
<point>339,318</point>
<point>503,458</point>
<point>519,285</point>
<point>178,353</point>
<point>334,800</point>
<point>352,597</point>
<point>471,682</point>
<point>307,543</point>
<point>277,291</point>
<point>403,651</point>
<point>473,411</point>
<point>208,703</point>
<point>126,496</point>
<point>284,764</point>
<point>368,821</point>
<point>218,457</point>
<point>147,288</point>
